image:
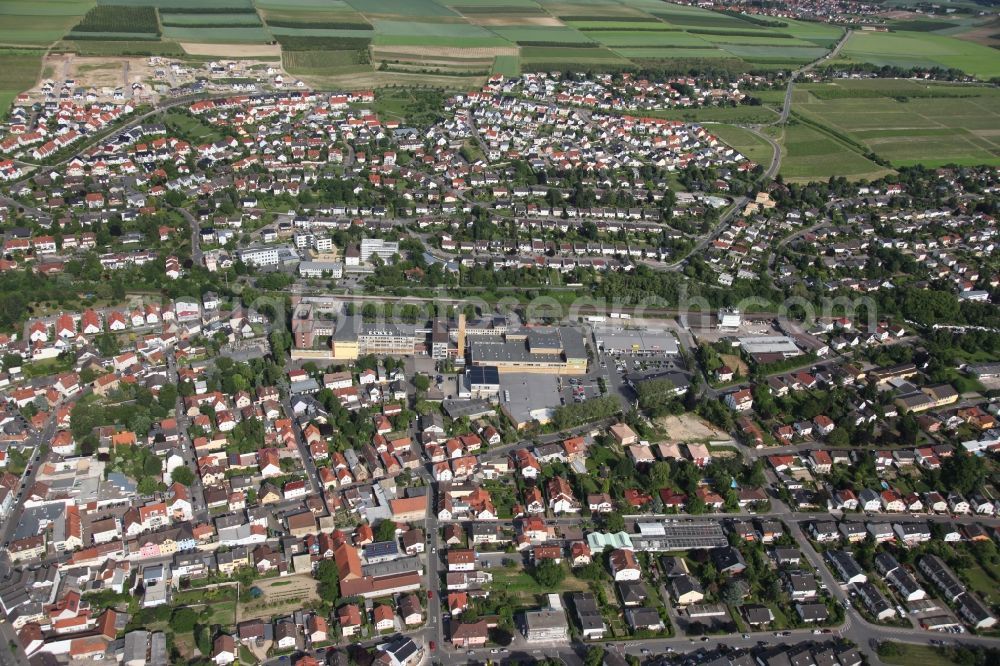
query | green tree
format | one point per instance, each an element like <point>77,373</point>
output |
<point>595,656</point>
<point>659,474</point>
<point>182,475</point>
<point>183,620</point>
<point>421,382</point>
<point>549,574</point>
<point>152,466</point>
<point>613,522</point>
<point>329,581</point>
<point>963,472</point>
<point>147,486</point>
<point>838,437</point>
<point>731,595</point>
<point>386,531</point>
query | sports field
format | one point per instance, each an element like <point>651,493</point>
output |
<point>909,122</point>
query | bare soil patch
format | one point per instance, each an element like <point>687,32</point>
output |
<point>736,363</point>
<point>688,428</point>
<point>985,34</point>
<point>232,51</point>
<point>500,21</point>
<point>97,72</point>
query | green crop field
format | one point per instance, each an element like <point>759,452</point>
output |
<point>745,141</point>
<point>320,32</point>
<point>810,154</point>
<point>322,63</point>
<point>657,53</point>
<point>641,25</point>
<point>908,122</point>
<point>39,23</point>
<point>201,20</point>
<point>534,56</point>
<point>245,35</point>
<point>120,47</point>
<point>791,54</point>
<point>614,38</point>
<point>506,65</point>
<point>19,72</point>
<point>182,4</point>
<point>920,49</point>
<point>749,115</point>
<point>413,8</point>
<point>311,14</point>
<point>538,34</point>
<point>446,31</point>
<point>118,18</point>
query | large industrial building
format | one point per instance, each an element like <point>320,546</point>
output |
<point>637,342</point>
<point>327,333</point>
<point>540,350</point>
<point>346,337</point>
<point>528,397</point>
<point>769,346</point>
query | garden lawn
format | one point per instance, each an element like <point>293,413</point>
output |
<point>916,655</point>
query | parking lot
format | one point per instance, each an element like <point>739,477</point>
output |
<point>578,389</point>
<point>617,368</point>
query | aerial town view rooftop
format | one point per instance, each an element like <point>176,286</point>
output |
<point>442,332</point>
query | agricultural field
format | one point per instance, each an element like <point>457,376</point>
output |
<point>107,19</point>
<point>742,115</point>
<point>478,36</point>
<point>120,47</point>
<point>38,23</point>
<point>316,14</point>
<point>546,57</point>
<point>20,71</point>
<point>749,144</point>
<point>506,65</point>
<point>810,154</point>
<point>199,5</point>
<point>412,8</point>
<point>211,20</point>
<point>234,35</point>
<point>542,35</point>
<point>671,53</point>
<point>908,122</point>
<point>921,49</point>
<point>322,63</point>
